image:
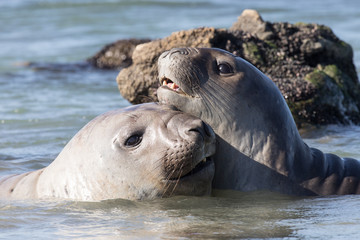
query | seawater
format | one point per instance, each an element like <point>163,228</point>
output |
<point>41,108</point>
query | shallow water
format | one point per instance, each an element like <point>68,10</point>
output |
<point>226,215</point>
<point>41,109</point>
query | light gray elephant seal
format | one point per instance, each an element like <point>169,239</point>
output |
<point>259,144</point>
<point>140,152</point>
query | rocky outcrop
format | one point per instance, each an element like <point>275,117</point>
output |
<point>117,54</point>
<point>312,67</point>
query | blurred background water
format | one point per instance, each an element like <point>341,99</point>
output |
<point>41,109</point>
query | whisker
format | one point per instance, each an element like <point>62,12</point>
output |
<point>212,101</point>
<point>177,181</point>
<point>167,186</point>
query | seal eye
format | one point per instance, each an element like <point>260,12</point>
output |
<point>225,68</point>
<point>133,140</point>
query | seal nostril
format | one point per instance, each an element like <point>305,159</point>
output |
<point>165,54</point>
<point>198,130</point>
<point>195,130</point>
<point>206,129</point>
<point>203,130</point>
<point>182,51</point>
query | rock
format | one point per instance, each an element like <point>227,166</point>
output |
<point>312,67</point>
<point>251,22</point>
<point>116,55</point>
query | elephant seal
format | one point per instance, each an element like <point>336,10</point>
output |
<point>140,152</point>
<point>259,146</point>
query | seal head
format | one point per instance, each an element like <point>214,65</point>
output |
<point>140,152</point>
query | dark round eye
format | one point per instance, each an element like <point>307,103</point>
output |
<point>225,68</point>
<point>133,140</point>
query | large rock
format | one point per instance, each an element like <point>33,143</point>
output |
<point>313,68</point>
<point>117,54</point>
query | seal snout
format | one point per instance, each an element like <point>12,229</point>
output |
<point>190,155</point>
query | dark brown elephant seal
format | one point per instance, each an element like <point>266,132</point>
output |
<point>140,152</point>
<point>259,144</point>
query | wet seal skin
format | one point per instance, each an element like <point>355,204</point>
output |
<point>259,146</point>
<point>140,152</point>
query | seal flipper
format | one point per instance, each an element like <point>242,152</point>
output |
<point>332,175</point>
